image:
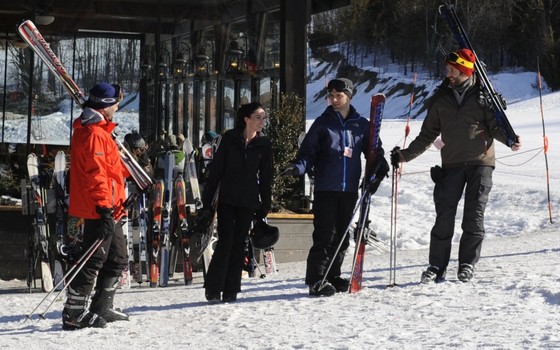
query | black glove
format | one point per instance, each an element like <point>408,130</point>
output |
<point>381,171</point>
<point>107,225</point>
<point>260,214</point>
<point>290,171</point>
<point>396,157</point>
<point>204,218</point>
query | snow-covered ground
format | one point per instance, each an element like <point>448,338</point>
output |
<point>513,302</point>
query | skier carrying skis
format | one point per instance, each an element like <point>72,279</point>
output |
<point>242,171</point>
<point>331,148</point>
<point>97,194</point>
<point>468,129</point>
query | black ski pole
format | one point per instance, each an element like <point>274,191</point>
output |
<point>393,243</point>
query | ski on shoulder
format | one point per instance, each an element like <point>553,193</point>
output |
<point>497,103</point>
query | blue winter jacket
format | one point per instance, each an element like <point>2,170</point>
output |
<point>323,150</point>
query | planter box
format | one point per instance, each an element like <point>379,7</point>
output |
<point>14,241</point>
<point>295,236</point>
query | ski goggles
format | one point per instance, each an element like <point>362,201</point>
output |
<point>340,86</point>
<point>453,57</point>
<point>109,100</point>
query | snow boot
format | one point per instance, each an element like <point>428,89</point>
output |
<point>465,272</point>
<point>102,300</point>
<point>75,314</point>
<point>432,274</point>
<point>212,297</point>
<point>229,297</point>
<point>340,284</point>
<point>325,289</point>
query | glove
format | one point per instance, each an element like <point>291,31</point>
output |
<point>381,171</point>
<point>107,226</point>
<point>290,171</point>
<point>396,158</point>
<point>204,218</point>
<point>260,214</point>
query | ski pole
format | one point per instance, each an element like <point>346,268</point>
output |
<point>545,143</point>
<point>407,127</point>
<point>393,239</point>
<point>79,264</point>
<point>96,245</point>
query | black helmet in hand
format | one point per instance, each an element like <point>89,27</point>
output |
<point>263,235</point>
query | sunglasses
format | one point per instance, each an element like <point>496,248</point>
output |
<point>339,86</point>
<point>453,57</point>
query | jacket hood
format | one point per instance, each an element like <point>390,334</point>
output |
<point>90,116</point>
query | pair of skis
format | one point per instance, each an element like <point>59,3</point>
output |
<point>362,227</point>
<point>161,229</point>
<point>40,222</point>
<point>41,232</point>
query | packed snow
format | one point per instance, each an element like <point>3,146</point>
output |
<point>513,301</point>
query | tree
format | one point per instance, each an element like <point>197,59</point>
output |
<point>284,129</point>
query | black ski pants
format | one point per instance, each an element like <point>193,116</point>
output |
<point>107,262</point>
<point>224,272</point>
<point>332,213</point>
<point>476,182</point>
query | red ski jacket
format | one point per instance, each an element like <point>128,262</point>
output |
<point>97,174</point>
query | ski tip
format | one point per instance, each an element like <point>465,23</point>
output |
<point>26,22</point>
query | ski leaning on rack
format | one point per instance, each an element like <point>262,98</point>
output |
<point>497,103</point>
<point>192,175</point>
<point>165,244</point>
<point>59,184</point>
<point>125,278</point>
<point>29,32</point>
<point>183,228</point>
<point>155,233</point>
<point>40,222</point>
<point>142,240</point>
<point>376,116</point>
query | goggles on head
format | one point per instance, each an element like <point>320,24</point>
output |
<point>118,96</point>
<point>453,57</point>
<point>339,86</point>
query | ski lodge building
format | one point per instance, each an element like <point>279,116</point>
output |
<point>199,60</point>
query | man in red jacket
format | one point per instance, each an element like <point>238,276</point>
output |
<point>97,195</point>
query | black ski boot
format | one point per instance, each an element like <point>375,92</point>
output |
<point>433,275</point>
<point>102,300</point>
<point>466,272</point>
<point>76,315</point>
<point>322,289</point>
<point>340,284</point>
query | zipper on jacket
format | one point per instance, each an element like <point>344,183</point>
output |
<point>342,123</point>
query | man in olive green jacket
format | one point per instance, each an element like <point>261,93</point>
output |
<point>468,129</point>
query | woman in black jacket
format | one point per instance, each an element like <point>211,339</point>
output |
<point>241,172</point>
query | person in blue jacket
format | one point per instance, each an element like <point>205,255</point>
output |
<point>331,150</point>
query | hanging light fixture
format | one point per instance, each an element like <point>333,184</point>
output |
<point>44,20</point>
